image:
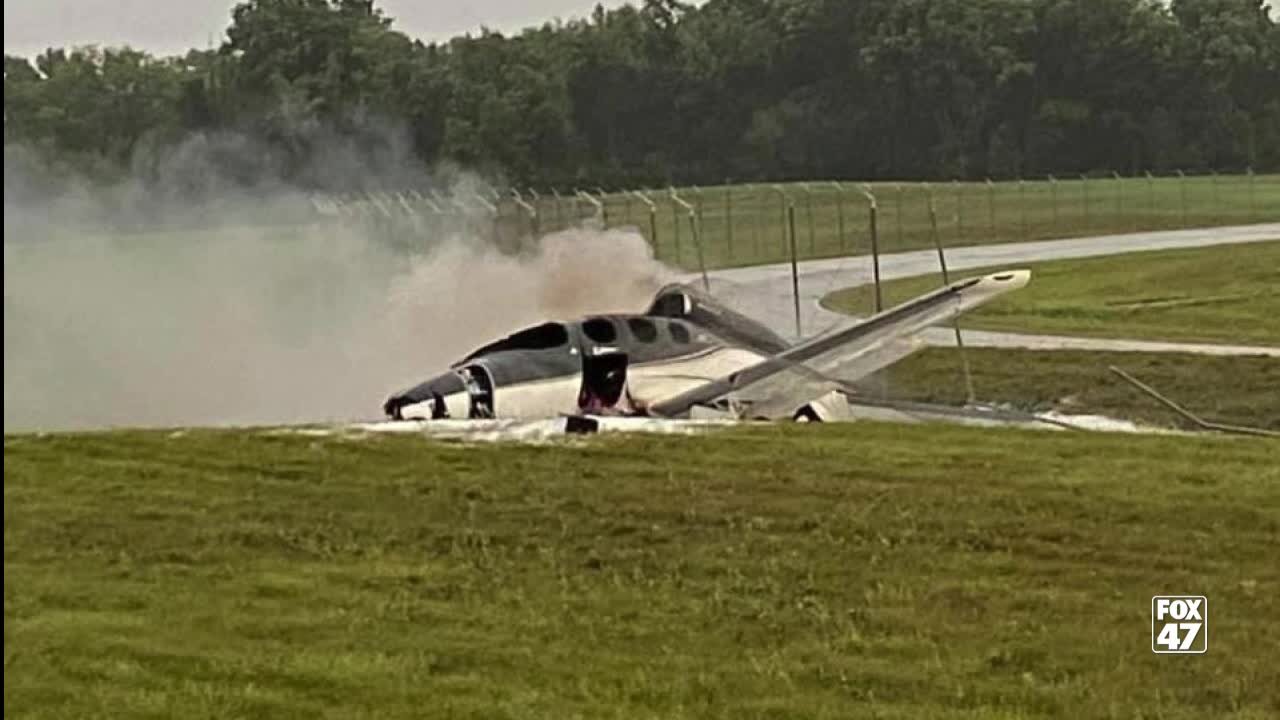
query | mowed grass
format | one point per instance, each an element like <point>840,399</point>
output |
<point>857,570</point>
<point>748,224</point>
<point>1227,389</point>
<point>1224,293</point>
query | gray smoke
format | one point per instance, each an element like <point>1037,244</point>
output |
<point>240,304</point>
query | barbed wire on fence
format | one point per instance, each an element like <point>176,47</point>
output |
<point>694,227</point>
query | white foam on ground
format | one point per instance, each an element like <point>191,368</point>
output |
<point>1102,423</point>
<point>549,429</point>
<point>532,431</point>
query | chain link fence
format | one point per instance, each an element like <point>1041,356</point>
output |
<point>746,224</point>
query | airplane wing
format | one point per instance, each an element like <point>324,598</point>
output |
<point>854,349</point>
<point>780,394</point>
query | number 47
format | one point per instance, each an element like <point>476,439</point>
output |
<point>1169,635</point>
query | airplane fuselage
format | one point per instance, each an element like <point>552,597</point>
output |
<point>545,371</point>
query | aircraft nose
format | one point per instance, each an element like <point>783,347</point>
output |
<point>430,392</point>
<point>392,408</point>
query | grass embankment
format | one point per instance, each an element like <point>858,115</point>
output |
<point>1224,293</point>
<point>746,224</point>
<point>824,571</point>
<point>1234,390</point>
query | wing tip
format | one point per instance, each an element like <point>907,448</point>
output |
<point>1012,279</point>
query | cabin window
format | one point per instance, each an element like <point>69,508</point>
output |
<point>600,330</point>
<point>543,337</point>
<point>643,330</point>
<point>679,333</point>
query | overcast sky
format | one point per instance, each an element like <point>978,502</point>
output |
<point>172,26</point>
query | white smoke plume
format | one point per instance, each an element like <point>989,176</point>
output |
<point>256,317</point>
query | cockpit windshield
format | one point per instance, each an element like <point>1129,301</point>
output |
<point>542,337</point>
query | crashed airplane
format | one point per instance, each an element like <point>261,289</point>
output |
<point>686,355</point>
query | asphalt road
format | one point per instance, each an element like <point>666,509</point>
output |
<point>764,292</point>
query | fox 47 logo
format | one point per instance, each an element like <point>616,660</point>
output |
<point>1179,624</point>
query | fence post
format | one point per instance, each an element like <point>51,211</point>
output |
<point>754,222</point>
<point>653,220</point>
<point>1084,190</point>
<point>808,212</point>
<point>438,219</point>
<point>875,243</point>
<point>933,222</point>
<point>991,208</point>
<point>946,280</point>
<point>955,184</point>
<point>431,204</point>
<point>1119,199</point>
<point>1253,203</point>
<point>728,218</point>
<point>897,214</point>
<point>604,206</point>
<point>795,271</point>
<point>1053,197</point>
<point>597,204</point>
<point>535,201</point>
<point>675,224</point>
<point>493,216</point>
<point>530,210</point>
<point>560,224</point>
<point>785,201</point>
<point>1151,193</point>
<point>693,228</point>
<point>928,197</point>
<point>840,214</point>
<point>1182,185</point>
<point>452,220</point>
<point>1217,209</point>
<point>1022,203</point>
<point>696,191</point>
<point>697,210</point>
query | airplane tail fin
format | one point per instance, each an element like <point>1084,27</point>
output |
<point>686,302</point>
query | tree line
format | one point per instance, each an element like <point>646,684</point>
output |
<point>666,92</point>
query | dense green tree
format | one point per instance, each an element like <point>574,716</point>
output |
<point>93,104</point>
<point>665,91</point>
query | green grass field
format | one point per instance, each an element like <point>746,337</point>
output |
<point>857,570</point>
<point>1225,293</point>
<point>746,224</point>
<point>774,571</point>
<point>1233,390</point>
